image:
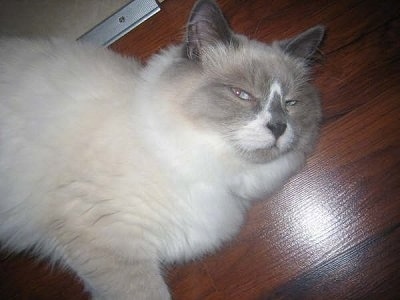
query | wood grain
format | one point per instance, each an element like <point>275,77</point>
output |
<point>333,231</point>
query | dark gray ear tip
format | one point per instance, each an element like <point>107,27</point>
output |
<point>306,44</point>
<point>202,3</point>
<point>206,26</point>
<point>204,9</point>
<point>321,29</point>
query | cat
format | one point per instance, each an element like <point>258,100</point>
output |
<point>114,169</point>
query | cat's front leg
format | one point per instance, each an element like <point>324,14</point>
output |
<point>109,277</point>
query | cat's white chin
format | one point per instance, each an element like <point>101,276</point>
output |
<point>253,145</point>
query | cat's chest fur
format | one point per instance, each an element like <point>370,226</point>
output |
<point>178,185</point>
<point>209,187</point>
<point>196,168</point>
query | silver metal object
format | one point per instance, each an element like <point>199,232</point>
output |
<point>121,22</point>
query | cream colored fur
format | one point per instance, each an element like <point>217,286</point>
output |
<point>99,170</point>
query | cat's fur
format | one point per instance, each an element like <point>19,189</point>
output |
<point>113,168</point>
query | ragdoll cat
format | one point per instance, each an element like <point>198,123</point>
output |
<point>113,168</point>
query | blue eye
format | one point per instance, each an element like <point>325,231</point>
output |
<point>241,94</point>
<point>291,102</point>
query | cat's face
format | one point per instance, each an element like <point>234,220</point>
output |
<point>256,96</point>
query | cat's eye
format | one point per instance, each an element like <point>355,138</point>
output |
<point>291,102</point>
<point>241,94</point>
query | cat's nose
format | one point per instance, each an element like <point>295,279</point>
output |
<point>277,129</point>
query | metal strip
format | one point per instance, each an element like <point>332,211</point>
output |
<point>121,22</point>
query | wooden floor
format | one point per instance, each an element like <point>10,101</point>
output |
<point>333,231</point>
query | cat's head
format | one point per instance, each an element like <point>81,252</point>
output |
<point>256,95</point>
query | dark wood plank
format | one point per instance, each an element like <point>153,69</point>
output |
<point>198,286</point>
<point>368,270</point>
<point>26,278</point>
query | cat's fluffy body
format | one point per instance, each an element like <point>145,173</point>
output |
<point>111,168</point>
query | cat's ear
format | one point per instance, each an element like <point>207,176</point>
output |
<point>207,26</point>
<point>305,44</point>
